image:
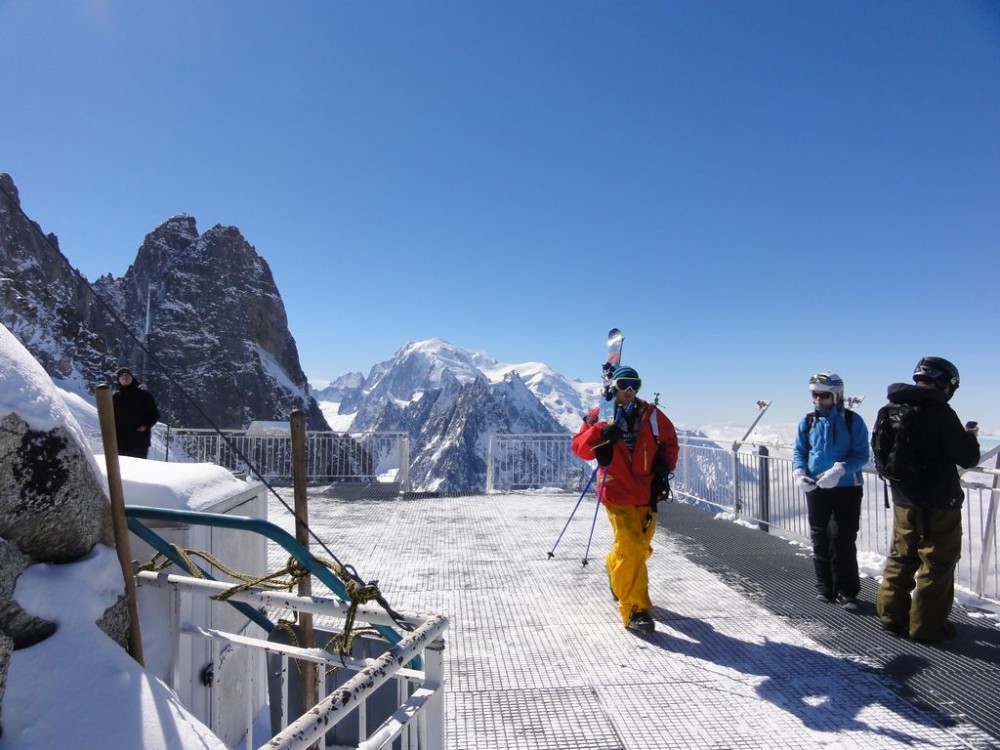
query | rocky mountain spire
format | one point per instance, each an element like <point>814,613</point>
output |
<point>205,307</point>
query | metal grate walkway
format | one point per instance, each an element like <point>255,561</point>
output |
<point>536,658</point>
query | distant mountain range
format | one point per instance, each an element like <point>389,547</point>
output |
<point>422,366</point>
<point>449,400</point>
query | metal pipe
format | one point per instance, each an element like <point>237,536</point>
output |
<point>328,712</point>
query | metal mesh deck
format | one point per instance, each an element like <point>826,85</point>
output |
<point>743,656</point>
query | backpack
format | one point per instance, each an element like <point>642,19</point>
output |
<point>894,443</point>
<point>811,419</point>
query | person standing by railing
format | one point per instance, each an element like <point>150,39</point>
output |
<point>831,448</point>
<point>135,415</point>
<point>636,451</point>
<point>927,500</point>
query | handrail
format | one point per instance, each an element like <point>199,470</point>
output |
<point>310,726</point>
<point>423,647</point>
<point>264,528</point>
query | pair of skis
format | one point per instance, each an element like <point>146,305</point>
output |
<point>616,340</point>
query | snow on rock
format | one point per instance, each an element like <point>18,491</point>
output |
<point>78,688</point>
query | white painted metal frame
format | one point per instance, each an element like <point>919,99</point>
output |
<point>419,718</point>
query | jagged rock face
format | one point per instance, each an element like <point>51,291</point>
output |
<point>345,387</point>
<point>449,430</point>
<point>216,323</point>
<point>437,394</point>
<point>51,504</point>
<point>44,301</point>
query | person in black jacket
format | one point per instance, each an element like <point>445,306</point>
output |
<point>135,415</point>
<point>927,514</point>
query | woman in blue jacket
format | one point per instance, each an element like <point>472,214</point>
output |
<point>831,448</point>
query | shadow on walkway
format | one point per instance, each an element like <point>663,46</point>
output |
<point>802,681</point>
<point>958,679</point>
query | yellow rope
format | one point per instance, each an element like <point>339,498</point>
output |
<point>357,592</point>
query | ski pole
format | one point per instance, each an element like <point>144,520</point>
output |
<point>552,552</point>
<point>600,495</point>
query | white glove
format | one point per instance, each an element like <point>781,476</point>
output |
<point>803,480</point>
<point>831,476</point>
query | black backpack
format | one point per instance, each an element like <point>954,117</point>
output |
<point>894,443</point>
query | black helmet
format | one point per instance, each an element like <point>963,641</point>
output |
<point>937,370</point>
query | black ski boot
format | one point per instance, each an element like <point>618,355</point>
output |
<point>641,621</point>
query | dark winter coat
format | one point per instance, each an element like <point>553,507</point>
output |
<point>134,407</point>
<point>941,443</point>
<point>628,477</point>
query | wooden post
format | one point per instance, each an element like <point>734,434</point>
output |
<point>298,428</point>
<point>106,415</point>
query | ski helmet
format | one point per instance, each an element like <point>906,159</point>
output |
<point>938,371</point>
<point>827,382</point>
<point>626,374</point>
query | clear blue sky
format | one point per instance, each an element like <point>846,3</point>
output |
<point>752,191</point>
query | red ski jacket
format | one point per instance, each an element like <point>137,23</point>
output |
<point>627,479</point>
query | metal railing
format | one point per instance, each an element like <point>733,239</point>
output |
<point>751,483</point>
<point>419,714</point>
<point>534,461</point>
<point>413,660</point>
<point>757,486</point>
<point>372,458</point>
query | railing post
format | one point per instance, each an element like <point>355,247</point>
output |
<point>404,461</point>
<point>989,533</point>
<point>764,486</point>
<point>737,505</point>
<point>298,430</point>
<point>434,717</point>
<point>489,464</point>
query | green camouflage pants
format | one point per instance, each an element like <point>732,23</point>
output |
<point>918,584</point>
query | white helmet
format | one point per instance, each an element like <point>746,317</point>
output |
<point>827,382</point>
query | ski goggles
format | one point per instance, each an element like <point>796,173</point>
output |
<point>822,395</point>
<point>823,379</point>
<point>628,384</point>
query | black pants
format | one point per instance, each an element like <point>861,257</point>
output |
<point>834,518</point>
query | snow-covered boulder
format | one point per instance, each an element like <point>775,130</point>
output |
<point>52,505</point>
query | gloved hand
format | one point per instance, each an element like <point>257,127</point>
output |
<point>803,480</point>
<point>659,489</point>
<point>831,476</point>
<point>661,468</point>
<point>611,432</point>
<point>604,454</point>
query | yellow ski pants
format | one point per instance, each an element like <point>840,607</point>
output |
<point>626,562</point>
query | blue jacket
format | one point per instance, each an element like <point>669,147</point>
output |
<point>819,447</point>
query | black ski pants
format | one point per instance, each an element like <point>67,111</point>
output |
<point>834,519</point>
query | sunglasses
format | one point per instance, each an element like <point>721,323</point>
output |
<point>628,384</point>
<point>822,395</point>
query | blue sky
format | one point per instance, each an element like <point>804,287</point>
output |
<point>752,191</point>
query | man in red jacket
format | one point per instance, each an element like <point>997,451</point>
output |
<point>636,450</point>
